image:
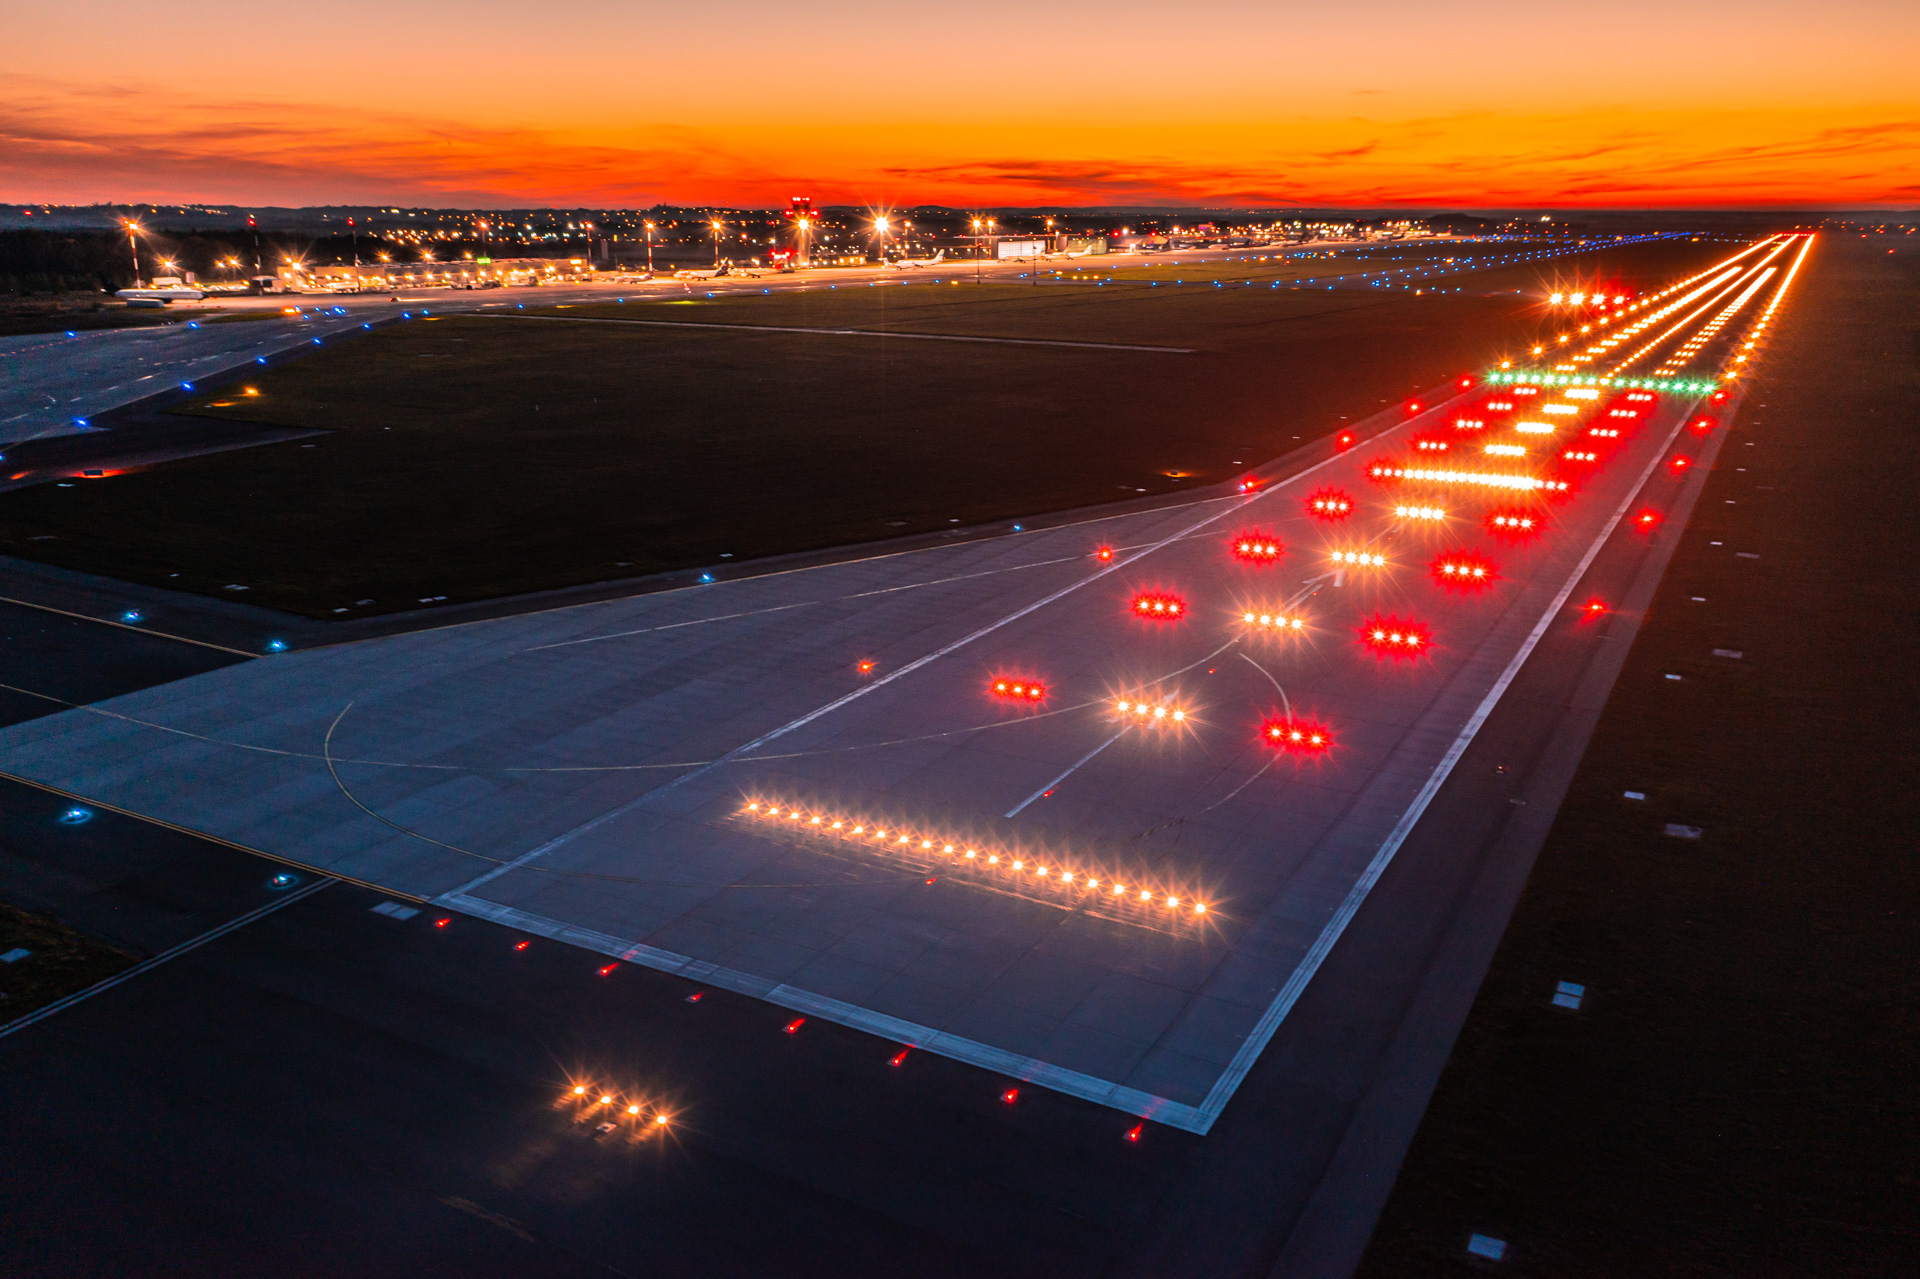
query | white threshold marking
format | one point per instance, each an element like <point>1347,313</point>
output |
<point>146,965</point>
<point>1263,1032</point>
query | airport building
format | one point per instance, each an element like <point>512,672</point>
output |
<point>463,273</point>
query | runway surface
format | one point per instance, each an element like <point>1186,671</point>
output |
<point>603,774</point>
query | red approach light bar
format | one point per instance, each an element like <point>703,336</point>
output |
<point>1462,568</point>
<point>957,854</point>
<point>1391,636</point>
<point>1604,432</point>
<point>1330,504</point>
<point>1470,423</point>
<point>1257,547</point>
<point>1430,446</point>
<point>1158,607</point>
<point>1513,523</point>
<point>1646,520</point>
<point>1018,690</point>
<point>1302,737</point>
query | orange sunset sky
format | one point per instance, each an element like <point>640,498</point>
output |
<point>747,102</point>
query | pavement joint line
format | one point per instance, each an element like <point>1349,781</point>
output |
<point>634,803</point>
<point>165,956</point>
<point>139,630</point>
<point>1015,810</point>
<point>1256,1042</point>
<point>844,333</point>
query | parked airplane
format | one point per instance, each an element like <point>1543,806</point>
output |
<point>714,274</point>
<point>901,264</point>
<point>162,290</point>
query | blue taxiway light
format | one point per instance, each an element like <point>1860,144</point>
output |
<point>76,816</point>
<point>276,646</point>
<point>132,615</point>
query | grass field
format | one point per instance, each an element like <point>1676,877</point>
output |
<point>476,456</point>
<point>1735,1094</point>
<point>60,961</point>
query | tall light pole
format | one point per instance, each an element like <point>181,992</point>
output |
<point>880,229</point>
<point>714,225</point>
<point>132,248</point>
<point>801,225</point>
<point>649,227</point>
<point>976,250</point>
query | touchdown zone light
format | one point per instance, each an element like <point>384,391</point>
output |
<point>1604,432</point>
<point>1158,607</point>
<point>1358,559</point>
<point>1330,504</point>
<point>1419,513</point>
<point>1149,712</point>
<point>1577,455</point>
<point>1274,621</point>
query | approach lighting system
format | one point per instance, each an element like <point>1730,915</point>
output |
<point>1330,504</point>
<point>1257,547</point>
<point>1462,569</point>
<point>1018,690</point>
<point>1395,637</point>
<point>1274,621</point>
<point>1301,737</point>
<point>1358,559</point>
<point>1513,523</point>
<point>1158,607</point>
<point>1430,446</point>
<point>1419,513</point>
<point>1580,455</point>
<point>1139,712</point>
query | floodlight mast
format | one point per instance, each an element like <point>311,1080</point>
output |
<point>133,248</point>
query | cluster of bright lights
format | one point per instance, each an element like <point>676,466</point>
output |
<point>1469,423</point>
<point>1511,523</point>
<point>1330,504</point>
<point>1274,621</point>
<point>1300,737</point>
<point>1575,455</point>
<point>1500,406</point>
<point>1420,512</point>
<point>1431,446</point>
<point>1257,548</point>
<point>1482,479</point>
<point>1684,355</point>
<point>963,857</point>
<point>1359,559</point>
<point>1560,410</point>
<point>1462,569</point>
<point>1626,413</point>
<point>1019,690</point>
<point>1161,608</point>
<point>1507,450</point>
<point>1588,299</point>
<point>1685,385</point>
<point>613,1107</point>
<point>1151,712</point>
<point>1394,637</point>
<point>1581,393</point>
<point>1533,428</point>
<point>1605,432</point>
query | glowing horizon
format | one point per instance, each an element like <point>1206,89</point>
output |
<point>1692,105</point>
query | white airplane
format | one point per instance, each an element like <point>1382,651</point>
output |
<point>714,274</point>
<point>162,289</point>
<point>902,264</point>
<point>1055,257</point>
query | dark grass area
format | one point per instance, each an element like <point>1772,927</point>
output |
<point>1735,1094</point>
<point>61,961</point>
<point>478,457</point>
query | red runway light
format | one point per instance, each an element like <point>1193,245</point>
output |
<point>1157,607</point>
<point>1010,1096</point>
<point>1257,547</point>
<point>1413,407</point>
<point>1345,441</point>
<point>1394,637</point>
<point>521,945</point>
<point>794,1025</point>
<point>1595,606</point>
<point>1646,519</point>
<point>1513,524</point>
<point>1382,470</point>
<point>865,668</point>
<point>1463,569</point>
<point>1704,424</point>
<point>1018,690</point>
<point>696,996</point>
<point>1466,381</point>
<point>1330,504</point>
<point>1133,1133</point>
<point>1103,553</point>
<point>1299,736</point>
<point>442,923</point>
<point>1249,484</point>
<point>609,968</point>
<point>899,1057</point>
